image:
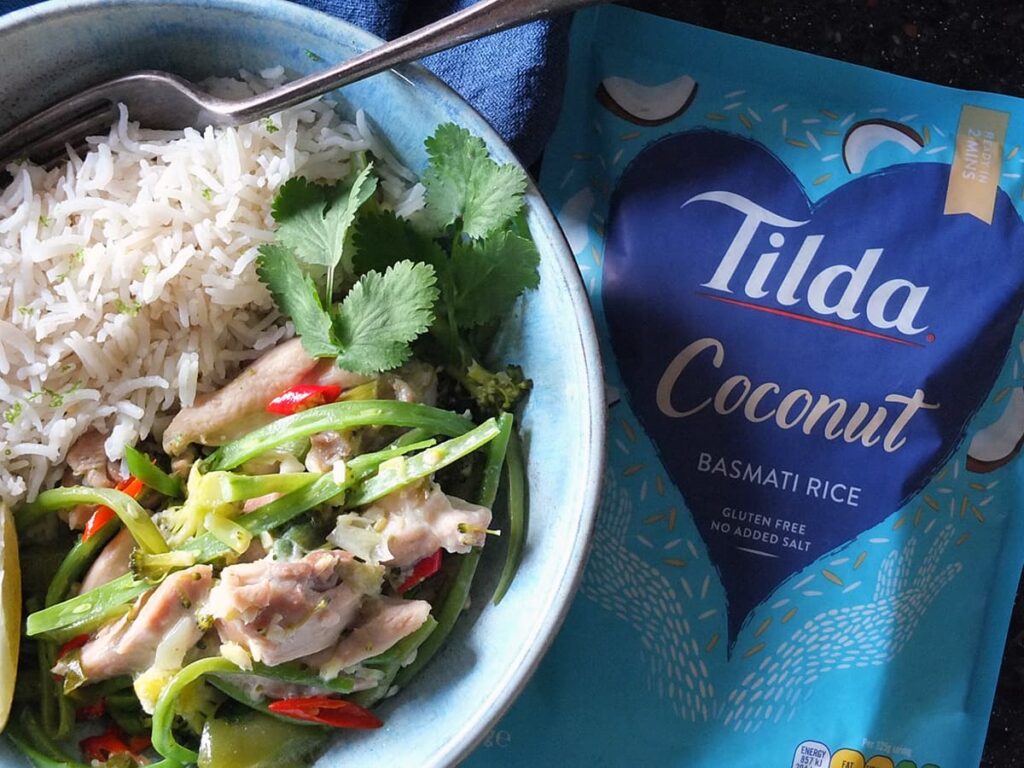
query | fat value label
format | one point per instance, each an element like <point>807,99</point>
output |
<point>814,754</point>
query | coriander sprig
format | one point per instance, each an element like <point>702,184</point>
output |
<point>455,273</point>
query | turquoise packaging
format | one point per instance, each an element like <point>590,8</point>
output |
<point>809,280</point>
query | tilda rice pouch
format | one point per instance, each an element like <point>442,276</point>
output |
<point>809,280</point>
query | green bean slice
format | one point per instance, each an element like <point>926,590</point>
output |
<point>141,466</point>
<point>517,517</point>
<point>422,465</point>
<point>32,741</point>
<point>451,608</point>
<point>496,456</point>
<point>390,662</point>
<point>77,561</point>
<point>85,612</point>
<point>458,593</point>
<point>163,712</point>
<point>239,694</point>
<point>335,416</point>
<point>134,517</point>
<point>234,487</point>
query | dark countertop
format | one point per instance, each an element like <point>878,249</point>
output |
<point>974,45</point>
<point>977,45</point>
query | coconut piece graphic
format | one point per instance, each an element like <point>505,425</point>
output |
<point>647,105</point>
<point>573,218</point>
<point>867,135</point>
<point>999,442</point>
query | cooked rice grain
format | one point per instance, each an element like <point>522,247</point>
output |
<point>127,277</point>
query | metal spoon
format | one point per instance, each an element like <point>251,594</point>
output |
<point>163,100</point>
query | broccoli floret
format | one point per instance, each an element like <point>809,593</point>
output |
<point>489,392</point>
<point>197,704</point>
<point>495,392</point>
<point>183,522</point>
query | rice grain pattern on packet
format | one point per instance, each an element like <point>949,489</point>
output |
<point>809,279</point>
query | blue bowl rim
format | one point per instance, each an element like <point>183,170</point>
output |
<point>476,727</point>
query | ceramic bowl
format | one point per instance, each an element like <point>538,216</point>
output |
<point>53,49</point>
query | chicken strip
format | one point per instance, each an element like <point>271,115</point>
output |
<point>416,521</point>
<point>414,382</point>
<point>279,611</point>
<point>87,459</point>
<point>327,373</point>
<point>87,464</point>
<point>130,643</point>
<point>112,562</point>
<point>382,623</point>
<point>240,406</point>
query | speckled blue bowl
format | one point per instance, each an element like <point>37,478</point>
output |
<point>55,48</point>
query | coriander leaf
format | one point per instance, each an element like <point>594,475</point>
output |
<point>296,296</point>
<point>382,314</point>
<point>462,182</point>
<point>342,213</point>
<point>313,220</point>
<point>299,212</point>
<point>382,239</point>
<point>487,276</point>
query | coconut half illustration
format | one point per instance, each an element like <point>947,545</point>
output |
<point>647,105</point>
<point>574,218</point>
<point>867,135</point>
<point>999,442</point>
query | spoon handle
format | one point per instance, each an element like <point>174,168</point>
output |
<point>478,20</point>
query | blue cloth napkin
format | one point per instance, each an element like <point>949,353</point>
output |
<point>520,97</point>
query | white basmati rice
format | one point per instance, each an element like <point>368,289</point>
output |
<point>127,277</point>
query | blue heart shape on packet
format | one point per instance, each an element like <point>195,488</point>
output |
<point>802,368</point>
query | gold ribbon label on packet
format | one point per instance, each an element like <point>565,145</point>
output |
<point>977,161</point>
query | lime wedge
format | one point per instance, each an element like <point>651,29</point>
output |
<point>10,610</point>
